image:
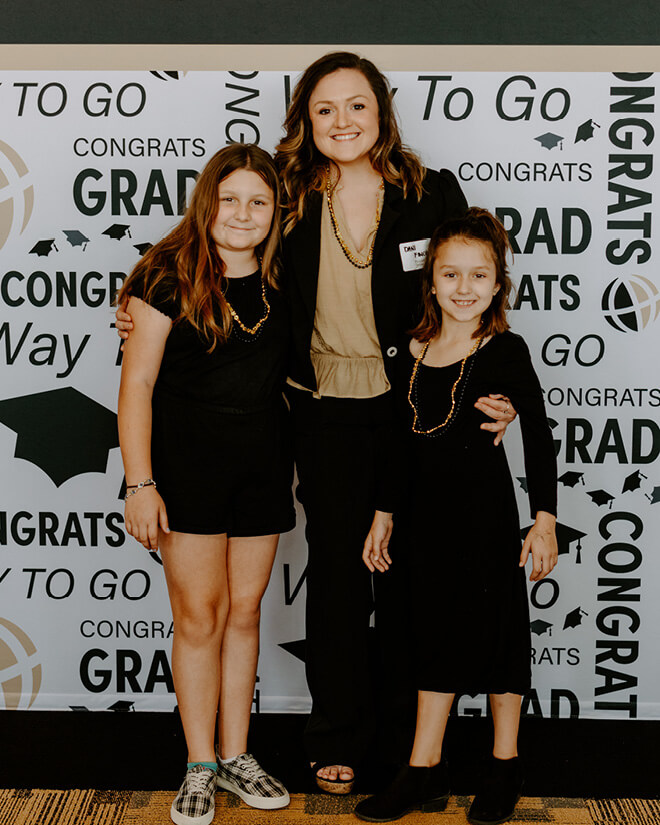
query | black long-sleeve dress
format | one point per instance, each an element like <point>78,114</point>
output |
<point>459,520</point>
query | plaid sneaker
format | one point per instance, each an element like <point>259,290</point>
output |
<point>195,802</point>
<point>245,777</point>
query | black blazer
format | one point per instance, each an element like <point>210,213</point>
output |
<point>394,292</point>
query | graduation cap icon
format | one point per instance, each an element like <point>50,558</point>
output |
<point>549,140</point>
<point>571,478</point>
<point>654,498</point>
<point>63,432</point>
<point>574,617</point>
<point>76,238</point>
<point>117,231</point>
<point>601,497</point>
<point>540,626</point>
<point>297,648</point>
<point>122,706</point>
<point>168,75</point>
<point>143,247</point>
<point>633,481</point>
<point>522,480</point>
<point>565,537</point>
<point>585,131</point>
<point>44,248</point>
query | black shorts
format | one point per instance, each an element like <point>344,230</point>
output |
<point>223,471</point>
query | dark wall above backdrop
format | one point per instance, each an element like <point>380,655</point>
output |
<point>563,22</point>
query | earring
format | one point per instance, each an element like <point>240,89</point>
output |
<point>432,290</point>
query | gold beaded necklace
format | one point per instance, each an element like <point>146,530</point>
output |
<point>359,264</point>
<point>252,330</point>
<point>411,388</point>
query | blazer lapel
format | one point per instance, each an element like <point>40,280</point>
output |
<point>306,251</point>
<point>380,294</point>
<point>392,203</point>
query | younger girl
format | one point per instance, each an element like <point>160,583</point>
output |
<point>207,463</point>
<point>459,523</point>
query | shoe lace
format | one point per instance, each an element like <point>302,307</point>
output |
<point>249,765</point>
<point>198,779</point>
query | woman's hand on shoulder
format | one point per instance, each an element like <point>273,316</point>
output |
<point>541,542</point>
<point>123,321</point>
<point>375,554</point>
<point>144,514</point>
<point>499,408</point>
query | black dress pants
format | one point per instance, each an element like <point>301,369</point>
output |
<point>339,449</point>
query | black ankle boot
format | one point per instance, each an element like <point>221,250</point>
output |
<point>499,792</point>
<point>412,787</point>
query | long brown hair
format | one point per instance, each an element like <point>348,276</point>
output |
<point>476,225</point>
<point>303,168</point>
<point>187,259</point>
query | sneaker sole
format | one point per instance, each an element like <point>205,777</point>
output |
<point>264,803</point>
<point>182,819</point>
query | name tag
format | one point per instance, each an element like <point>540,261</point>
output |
<point>413,254</point>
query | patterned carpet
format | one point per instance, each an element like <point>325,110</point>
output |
<point>77,807</point>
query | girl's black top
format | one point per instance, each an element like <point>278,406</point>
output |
<point>245,373</point>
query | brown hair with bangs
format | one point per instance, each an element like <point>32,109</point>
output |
<point>303,168</point>
<point>187,260</point>
<point>475,225</point>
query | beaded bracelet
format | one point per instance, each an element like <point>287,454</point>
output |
<point>132,489</point>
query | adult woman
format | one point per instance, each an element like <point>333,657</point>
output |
<point>361,208</point>
<point>200,411</point>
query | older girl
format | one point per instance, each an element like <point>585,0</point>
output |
<point>207,463</point>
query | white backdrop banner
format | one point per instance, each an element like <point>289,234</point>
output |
<point>94,166</point>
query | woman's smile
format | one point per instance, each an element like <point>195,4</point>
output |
<point>347,136</point>
<point>343,111</point>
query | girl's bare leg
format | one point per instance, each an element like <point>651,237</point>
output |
<point>249,564</point>
<point>506,721</point>
<point>432,714</point>
<point>196,574</point>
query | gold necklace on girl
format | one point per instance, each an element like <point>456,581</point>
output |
<point>252,330</point>
<point>412,390</point>
<point>359,264</point>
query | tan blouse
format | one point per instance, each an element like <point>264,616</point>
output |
<point>345,350</point>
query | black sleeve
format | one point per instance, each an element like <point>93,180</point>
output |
<point>521,385</point>
<point>162,297</point>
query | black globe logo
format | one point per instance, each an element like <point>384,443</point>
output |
<point>631,303</point>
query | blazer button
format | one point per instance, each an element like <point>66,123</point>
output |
<point>392,351</point>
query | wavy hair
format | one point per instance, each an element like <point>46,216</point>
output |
<point>476,225</point>
<point>187,261</point>
<point>303,168</point>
